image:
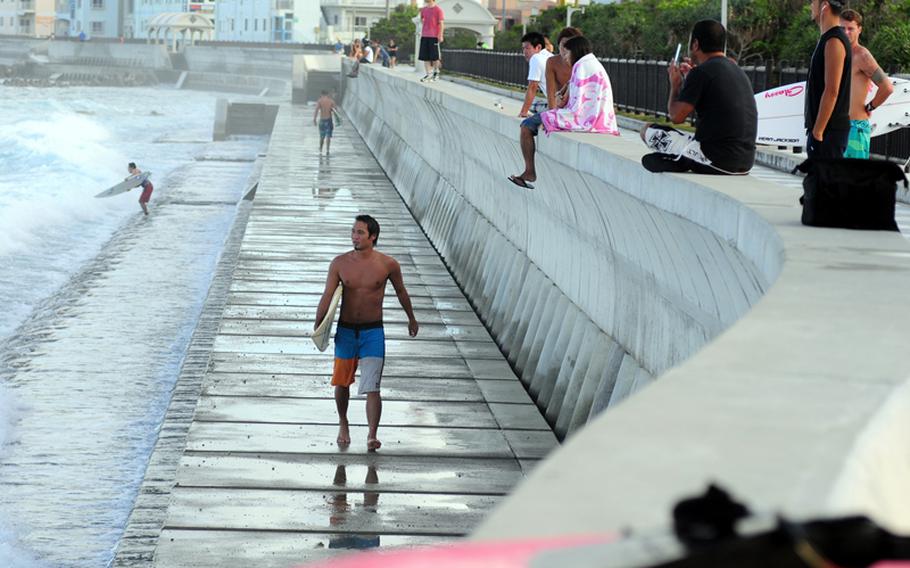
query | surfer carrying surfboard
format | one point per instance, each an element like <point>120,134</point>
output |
<point>360,338</point>
<point>325,106</point>
<point>146,186</point>
<point>865,71</point>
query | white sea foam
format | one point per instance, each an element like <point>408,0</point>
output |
<point>59,162</point>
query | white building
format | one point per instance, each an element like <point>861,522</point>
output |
<point>277,21</point>
<point>349,19</point>
<point>98,18</point>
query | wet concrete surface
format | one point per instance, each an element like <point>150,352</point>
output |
<point>262,480</point>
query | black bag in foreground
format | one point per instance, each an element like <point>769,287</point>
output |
<point>850,193</point>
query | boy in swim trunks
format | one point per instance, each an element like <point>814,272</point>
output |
<point>325,106</point>
<point>360,338</point>
<point>146,186</point>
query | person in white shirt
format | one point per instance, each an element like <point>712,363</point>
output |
<point>367,54</point>
<point>532,46</point>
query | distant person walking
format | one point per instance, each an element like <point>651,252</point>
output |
<point>720,94</point>
<point>828,85</point>
<point>533,49</point>
<point>360,338</point>
<point>432,29</point>
<point>865,72</point>
<point>558,71</point>
<point>146,186</point>
<point>325,107</point>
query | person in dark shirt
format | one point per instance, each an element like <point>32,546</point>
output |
<point>828,84</point>
<point>720,94</point>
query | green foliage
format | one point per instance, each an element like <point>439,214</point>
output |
<point>766,29</point>
<point>459,38</point>
<point>398,26</point>
<point>891,46</point>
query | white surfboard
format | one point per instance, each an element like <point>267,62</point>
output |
<point>323,331</point>
<point>125,185</point>
<point>780,113</point>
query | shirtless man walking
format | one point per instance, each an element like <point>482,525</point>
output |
<point>325,106</point>
<point>360,338</point>
<point>865,71</point>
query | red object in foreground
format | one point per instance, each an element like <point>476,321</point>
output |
<point>504,554</point>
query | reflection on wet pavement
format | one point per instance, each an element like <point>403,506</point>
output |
<point>342,512</point>
<point>262,481</point>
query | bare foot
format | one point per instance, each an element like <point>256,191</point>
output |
<point>344,435</point>
<point>373,444</point>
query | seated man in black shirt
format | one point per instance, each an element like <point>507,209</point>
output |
<point>721,95</point>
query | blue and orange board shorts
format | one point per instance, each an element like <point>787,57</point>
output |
<point>360,345</point>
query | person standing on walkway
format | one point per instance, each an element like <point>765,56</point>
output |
<point>432,21</point>
<point>360,338</point>
<point>865,72</point>
<point>828,84</point>
<point>532,46</point>
<point>325,106</point>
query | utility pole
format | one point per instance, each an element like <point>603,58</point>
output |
<point>388,9</point>
<point>569,11</point>
<point>723,13</point>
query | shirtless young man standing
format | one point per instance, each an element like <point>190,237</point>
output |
<point>360,338</point>
<point>325,106</point>
<point>865,70</point>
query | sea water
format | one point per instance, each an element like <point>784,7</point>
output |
<point>99,301</point>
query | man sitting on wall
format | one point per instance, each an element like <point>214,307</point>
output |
<point>532,46</point>
<point>720,94</point>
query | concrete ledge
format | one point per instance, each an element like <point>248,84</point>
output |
<point>607,276</point>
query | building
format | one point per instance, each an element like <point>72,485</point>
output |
<point>206,7</point>
<point>516,12</point>
<point>143,11</point>
<point>267,20</point>
<point>98,18</point>
<point>33,18</point>
<point>349,19</point>
<point>64,17</point>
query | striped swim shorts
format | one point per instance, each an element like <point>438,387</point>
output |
<point>360,345</point>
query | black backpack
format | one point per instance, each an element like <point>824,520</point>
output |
<point>850,193</point>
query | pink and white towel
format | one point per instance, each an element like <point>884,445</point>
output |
<point>590,106</point>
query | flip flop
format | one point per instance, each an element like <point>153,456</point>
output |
<point>520,182</point>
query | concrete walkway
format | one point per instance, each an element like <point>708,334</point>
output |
<point>261,481</point>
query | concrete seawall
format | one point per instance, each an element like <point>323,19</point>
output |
<point>782,373</point>
<point>593,285</point>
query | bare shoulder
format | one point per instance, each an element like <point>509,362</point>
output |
<point>341,259</point>
<point>861,54</point>
<point>389,262</point>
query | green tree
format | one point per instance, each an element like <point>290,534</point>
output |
<point>400,27</point>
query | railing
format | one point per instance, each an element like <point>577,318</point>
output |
<point>640,86</point>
